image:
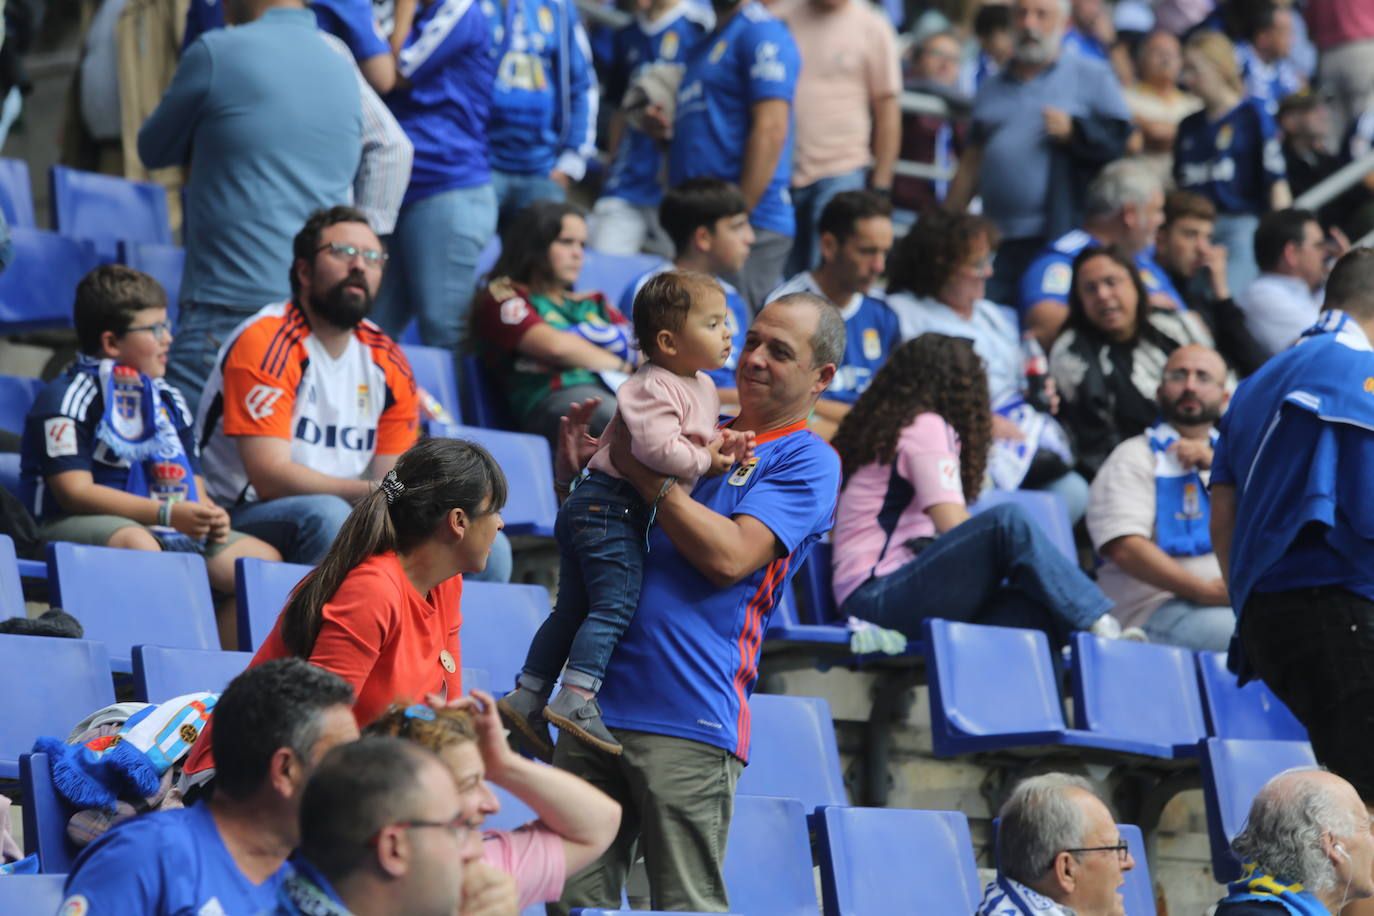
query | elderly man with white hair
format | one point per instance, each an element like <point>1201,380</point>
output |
<point>1059,852</point>
<point>1040,129</point>
<point>1306,846</point>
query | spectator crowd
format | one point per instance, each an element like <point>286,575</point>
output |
<point>1072,263</point>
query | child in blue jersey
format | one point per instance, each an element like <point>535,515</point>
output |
<point>666,416</point>
<point>109,455</point>
<point>623,220</point>
<point>1229,152</point>
<point>708,223</point>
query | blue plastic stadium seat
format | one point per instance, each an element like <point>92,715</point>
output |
<point>161,673</point>
<point>1046,508</point>
<point>49,686</point>
<point>1250,712</point>
<point>786,632</point>
<point>17,394</point>
<point>817,587</point>
<point>261,589</point>
<point>45,816</point>
<point>484,403</point>
<point>889,860</point>
<point>31,895</point>
<point>514,813</point>
<point>9,472</point>
<point>39,286</point>
<point>164,263</point>
<point>1233,772</point>
<point>433,369</point>
<point>498,623</point>
<point>768,858</point>
<point>11,586</point>
<point>1139,890</point>
<point>107,210</point>
<point>1144,694</point>
<point>16,194</point>
<point>531,505</point>
<point>612,274</point>
<point>792,752</point>
<point>126,598</point>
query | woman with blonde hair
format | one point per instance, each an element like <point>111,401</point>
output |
<point>1229,152</point>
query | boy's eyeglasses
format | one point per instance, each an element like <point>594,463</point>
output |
<point>157,329</point>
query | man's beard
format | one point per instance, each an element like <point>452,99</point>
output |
<point>1205,413</point>
<point>1035,49</point>
<point>346,303</point>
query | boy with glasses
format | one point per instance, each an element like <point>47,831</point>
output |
<point>108,454</point>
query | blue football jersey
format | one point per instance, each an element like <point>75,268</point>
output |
<point>1051,273</point>
<point>1232,161</point>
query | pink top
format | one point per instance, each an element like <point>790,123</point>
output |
<point>882,506</point>
<point>1337,22</point>
<point>533,856</point>
<point>670,420</point>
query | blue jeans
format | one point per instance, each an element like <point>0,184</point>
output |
<point>301,527</point>
<point>809,202</point>
<point>1182,623</point>
<point>432,270</point>
<point>600,533</point>
<point>202,328</point>
<point>1237,232</point>
<point>515,192</point>
<point>1074,490</point>
<point>997,568</point>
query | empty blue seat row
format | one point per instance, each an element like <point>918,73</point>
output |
<point>31,895</point>
<point>50,685</point>
<point>531,504</point>
<point>107,210</point>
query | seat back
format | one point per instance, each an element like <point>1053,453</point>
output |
<point>16,194</point>
<point>31,895</point>
<point>768,858</point>
<point>1233,772</point>
<point>9,473</point>
<point>49,685</point>
<point>990,687</point>
<point>261,589</point>
<point>498,623</point>
<point>612,274</point>
<point>483,401</point>
<point>1110,676</point>
<point>107,209</point>
<point>161,673</point>
<point>164,263</point>
<point>891,860</point>
<point>39,286</point>
<point>45,816</point>
<point>125,598</point>
<point>17,394</point>
<point>531,505</point>
<point>1251,711</point>
<point>817,587</point>
<point>1046,508</point>
<point>433,369</point>
<point>1139,890</point>
<point>792,752</point>
<point>11,585</point>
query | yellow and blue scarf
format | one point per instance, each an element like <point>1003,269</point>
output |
<point>1253,887</point>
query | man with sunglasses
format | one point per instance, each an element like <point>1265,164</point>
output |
<point>382,831</point>
<point>1059,852</point>
<point>309,403</point>
<point>227,855</point>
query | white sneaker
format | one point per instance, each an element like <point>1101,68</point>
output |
<point>1106,627</point>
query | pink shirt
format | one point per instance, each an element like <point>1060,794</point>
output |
<point>533,856</point>
<point>883,506</point>
<point>1337,22</point>
<point>670,420</point>
<point>849,61</point>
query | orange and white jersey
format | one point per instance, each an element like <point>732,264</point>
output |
<point>273,378</point>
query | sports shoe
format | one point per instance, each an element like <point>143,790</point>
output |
<point>581,717</point>
<point>1106,627</point>
<point>523,712</point>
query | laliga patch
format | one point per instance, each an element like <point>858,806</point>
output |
<point>1058,279</point>
<point>75,905</point>
<point>740,475</point>
<point>59,437</point>
<point>513,311</point>
<point>261,400</point>
<point>949,474</point>
<point>873,344</point>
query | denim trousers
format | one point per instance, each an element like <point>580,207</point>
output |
<point>997,568</point>
<point>432,270</point>
<point>600,533</point>
<point>202,328</point>
<point>1177,622</point>
<point>301,527</point>
<point>809,202</point>
<point>515,192</point>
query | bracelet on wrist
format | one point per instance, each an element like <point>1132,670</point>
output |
<point>164,513</point>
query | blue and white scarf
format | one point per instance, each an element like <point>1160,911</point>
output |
<point>137,427</point>
<point>1260,888</point>
<point>1005,897</point>
<point>1182,508</point>
<point>1010,459</point>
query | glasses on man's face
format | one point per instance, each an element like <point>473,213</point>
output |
<point>157,328</point>
<point>1181,376</point>
<point>460,826</point>
<point>1123,851</point>
<point>372,257</point>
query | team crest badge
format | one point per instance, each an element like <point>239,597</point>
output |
<point>873,344</point>
<point>740,475</point>
<point>717,52</point>
<point>667,49</point>
<point>128,402</point>
<point>1058,279</point>
<point>545,19</point>
<point>1224,136</point>
<point>169,482</point>
<point>362,398</point>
